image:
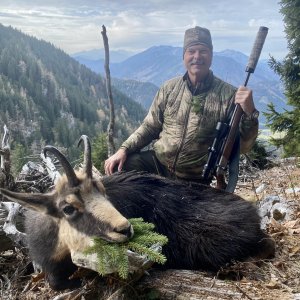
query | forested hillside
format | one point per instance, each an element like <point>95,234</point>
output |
<point>141,92</point>
<point>46,97</point>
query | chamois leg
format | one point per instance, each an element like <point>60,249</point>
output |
<point>58,275</point>
<point>266,248</point>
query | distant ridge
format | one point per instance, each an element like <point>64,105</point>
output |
<point>160,63</point>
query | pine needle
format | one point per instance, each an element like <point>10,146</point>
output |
<point>113,255</point>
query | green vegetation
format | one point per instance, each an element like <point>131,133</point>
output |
<point>18,157</point>
<point>46,97</point>
<point>99,152</point>
<point>259,155</point>
<point>288,122</point>
<point>111,255</point>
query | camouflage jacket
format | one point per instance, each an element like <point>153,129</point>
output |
<point>183,125</point>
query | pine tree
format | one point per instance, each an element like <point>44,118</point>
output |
<point>288,122</point>
<point>18,157</point>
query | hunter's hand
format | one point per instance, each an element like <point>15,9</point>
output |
<point>117,159</point>
<point>244,98</point>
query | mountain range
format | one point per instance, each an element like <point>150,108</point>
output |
<point>141,74</point>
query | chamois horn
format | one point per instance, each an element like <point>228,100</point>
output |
<point>72,178</point>
<point>87,155</point>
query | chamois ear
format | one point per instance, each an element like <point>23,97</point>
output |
<point>39,202</point>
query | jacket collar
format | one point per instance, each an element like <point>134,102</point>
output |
<point>201,86</point>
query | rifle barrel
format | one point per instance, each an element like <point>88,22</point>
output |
<point>256,50</point>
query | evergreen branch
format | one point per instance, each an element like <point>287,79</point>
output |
<point>123,264</point>
<point>148,252</point>
<point>113,255</point>
<point>150,239</point>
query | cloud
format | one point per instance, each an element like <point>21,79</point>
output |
<point>75,25</point>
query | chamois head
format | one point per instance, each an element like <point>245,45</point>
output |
<point>77,204</point>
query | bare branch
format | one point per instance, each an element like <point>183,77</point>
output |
<point>111,124</point>
<point>5,152</point>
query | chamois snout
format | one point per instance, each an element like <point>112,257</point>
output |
<point>121,232</point>
<point>125,230</point>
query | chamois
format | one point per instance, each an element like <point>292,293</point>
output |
<point>206,228</point>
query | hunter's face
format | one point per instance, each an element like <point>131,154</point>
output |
<point>197,60</point>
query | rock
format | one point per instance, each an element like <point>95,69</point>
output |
<point>260,189</point>
<point>274,207</point>
<point>278,212</point>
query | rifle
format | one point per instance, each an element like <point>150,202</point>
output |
<point>221,150</point>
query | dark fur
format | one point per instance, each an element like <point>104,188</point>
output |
<point>206,228</point>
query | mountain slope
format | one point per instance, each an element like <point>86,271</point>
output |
<point>141,92</point>
<point>48,97</point>
<point>156,65</point>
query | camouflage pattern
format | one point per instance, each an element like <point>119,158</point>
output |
<point>183,125</point>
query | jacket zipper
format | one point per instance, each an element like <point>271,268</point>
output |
<point>183,137</point>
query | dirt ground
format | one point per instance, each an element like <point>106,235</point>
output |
<point>278,278</point>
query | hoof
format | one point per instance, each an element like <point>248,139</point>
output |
<point>267,248</point>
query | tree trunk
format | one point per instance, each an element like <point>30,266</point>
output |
<point>6,179</point>
<point>9,226</point>
<point>111,125</point>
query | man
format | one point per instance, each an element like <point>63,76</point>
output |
<point>183,117</point>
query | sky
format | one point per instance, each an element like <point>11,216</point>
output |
<point>136,25</point>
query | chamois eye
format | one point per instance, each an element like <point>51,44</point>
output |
<point>69,210</point>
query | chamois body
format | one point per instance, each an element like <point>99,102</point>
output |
<point>206,228</point>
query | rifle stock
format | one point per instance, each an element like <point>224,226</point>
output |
<point>229,140</point>
<point>222,147</point>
